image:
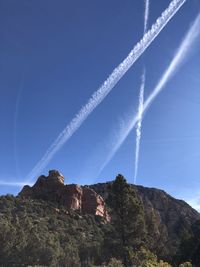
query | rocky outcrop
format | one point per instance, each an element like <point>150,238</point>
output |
<point>76,197</point>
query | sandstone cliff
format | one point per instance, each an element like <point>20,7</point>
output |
<point>76,197</point>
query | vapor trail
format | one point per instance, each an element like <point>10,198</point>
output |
<point>141,99</point>
<point>146,14</point>
<point>177,61</point>
<point>139,123</point>
<point>107,86</point>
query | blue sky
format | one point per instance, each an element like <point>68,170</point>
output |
<point>55,54</point>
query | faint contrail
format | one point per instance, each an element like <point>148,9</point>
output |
<point>107,86</point>
<point>146,14</point>
<point>14,184</point>
<point>175,64</point>
<point>141,99</point>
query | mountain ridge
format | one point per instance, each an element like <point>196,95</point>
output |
<point>84,212</point>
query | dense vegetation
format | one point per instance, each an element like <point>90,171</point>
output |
<point>41,233</point>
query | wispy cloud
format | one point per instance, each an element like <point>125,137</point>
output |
<point>124,126</point>
<point>179,58</point>
<point>107,86</point>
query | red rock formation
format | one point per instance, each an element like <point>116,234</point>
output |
<point>72,198</point>
<point>76,197</point>
<point>92,202</point>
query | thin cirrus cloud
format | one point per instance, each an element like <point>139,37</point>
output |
<point>178,60</point>
<point>141,99</point>
<point>106,87</point>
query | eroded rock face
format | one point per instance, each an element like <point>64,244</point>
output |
<point>76,197</point>
<point>56,177</point>
<point>92,202</point>
<point>72,197</point>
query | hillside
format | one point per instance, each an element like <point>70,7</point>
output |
<point>53,224</point>
<point>167,219</point>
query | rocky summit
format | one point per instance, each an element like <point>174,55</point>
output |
<point>72,196</point>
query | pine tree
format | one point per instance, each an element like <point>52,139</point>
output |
<point>190,247</point>
<point>127,219</point>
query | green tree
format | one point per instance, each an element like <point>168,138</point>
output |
<point>190,247</point>
<point>127,219</point>
<point>186,264</point>
<point>144,258</point>
<point>114,263</point>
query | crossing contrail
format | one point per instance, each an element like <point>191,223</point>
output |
<point>107,86</point>
<point>180,55</point>
<point>139,123</point>
<point>141,99</point>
